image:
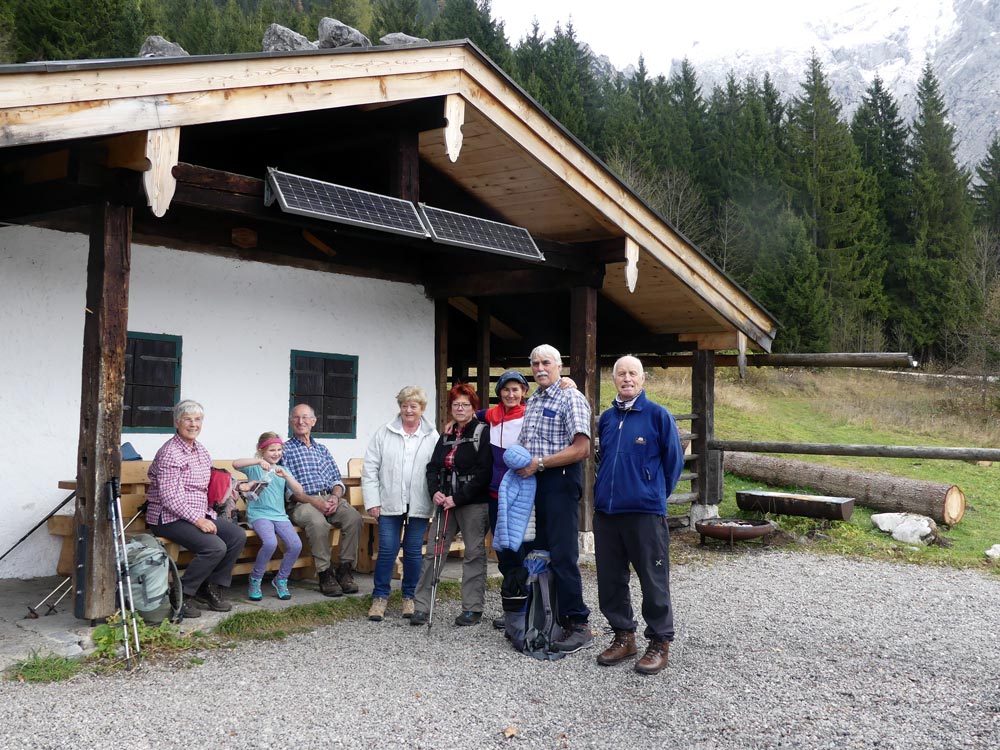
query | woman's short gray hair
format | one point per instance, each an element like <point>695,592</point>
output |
<point>187,406</point>
<point>546,350</point>
<point>412,393</point>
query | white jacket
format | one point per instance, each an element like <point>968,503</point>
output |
<point>382,477</point>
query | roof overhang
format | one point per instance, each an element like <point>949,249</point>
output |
<point>498,145</point>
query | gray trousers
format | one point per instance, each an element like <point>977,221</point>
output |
<point>473,521</point>
<point>642,539</point>
<point>214,554</point>
<point>317,528</point>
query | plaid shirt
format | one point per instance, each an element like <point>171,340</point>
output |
<point>552,418</point>
<point>312,465</point>
<point>178,483</point>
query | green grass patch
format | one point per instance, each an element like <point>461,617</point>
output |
<point>46,669</point>
<point>859,407</point>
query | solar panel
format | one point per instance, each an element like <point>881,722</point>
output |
<point>480,234</point>
<point>325,200</point>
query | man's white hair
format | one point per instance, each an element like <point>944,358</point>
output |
<point>547,351</point>
<point>290,411</point>
<point>628,356</point>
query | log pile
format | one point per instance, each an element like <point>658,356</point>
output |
<point>945,503</point>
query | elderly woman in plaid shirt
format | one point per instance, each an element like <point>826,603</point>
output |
<point>178,510</point>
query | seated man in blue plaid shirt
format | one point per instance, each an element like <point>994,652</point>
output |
<point>556,431</point>
<point>323,504</point>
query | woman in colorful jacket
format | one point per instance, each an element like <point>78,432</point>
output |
<point>394,488</point>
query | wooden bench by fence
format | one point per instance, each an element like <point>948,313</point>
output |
<point>135,482</point>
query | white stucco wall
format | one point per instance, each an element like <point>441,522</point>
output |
<point>239,322</point>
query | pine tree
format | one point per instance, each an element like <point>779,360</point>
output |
<point>880,135</point>
<point>397,16</point>
<point>471,19</point>
<point>788,283</point>
<point>986,191</point>
<point>838,201</point>
<point>939,299</point>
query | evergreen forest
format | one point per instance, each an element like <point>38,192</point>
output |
<point>858,234</point>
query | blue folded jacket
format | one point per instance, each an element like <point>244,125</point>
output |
<point>515,502</point>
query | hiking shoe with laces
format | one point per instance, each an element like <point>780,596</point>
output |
<point>346,579</point>
<point>408,607</point>
<point>377,611</point>
<point>254,593</point>
<point>419,618</point>
<point>281,586</point>
<point>621,648</point>
<point>328,585</point>
<point>576,638</point>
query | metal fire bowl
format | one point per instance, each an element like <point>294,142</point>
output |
<point>734,529</point>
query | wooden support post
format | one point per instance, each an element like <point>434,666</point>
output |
<point>99,455</point>
<point>406,166</point>
<point>441,360</point>
<point>483,353</point>
<point>708,485</point>
<point>583,368</point>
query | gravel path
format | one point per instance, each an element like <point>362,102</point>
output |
<point>774,650</point>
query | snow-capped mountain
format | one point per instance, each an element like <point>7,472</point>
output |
<point>890,38</point>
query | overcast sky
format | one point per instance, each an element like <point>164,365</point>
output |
<point>662,30</point>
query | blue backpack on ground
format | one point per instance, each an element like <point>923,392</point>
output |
<point>531,609</point>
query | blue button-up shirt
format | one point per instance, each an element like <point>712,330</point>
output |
<point>312,465</point>
<point>553,418</point>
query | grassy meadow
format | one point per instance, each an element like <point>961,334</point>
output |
<point>859,406</point>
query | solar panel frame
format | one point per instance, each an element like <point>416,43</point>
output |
<point>463,230</point>
<point>328,201</point>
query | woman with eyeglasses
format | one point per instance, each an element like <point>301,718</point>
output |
<point>458,478</point>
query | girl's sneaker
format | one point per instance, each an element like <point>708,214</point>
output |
<point>253,590</point>
<point>281,586</point>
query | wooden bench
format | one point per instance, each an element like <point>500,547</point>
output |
<point>135,482</point>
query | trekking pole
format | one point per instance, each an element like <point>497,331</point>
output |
<point>437,563</point>
<point>124,546</point>
<point>39,524</point>
<point>33,611</point>
<point>129,628</point>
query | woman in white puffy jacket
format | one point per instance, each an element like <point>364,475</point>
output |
<point>394,487</point>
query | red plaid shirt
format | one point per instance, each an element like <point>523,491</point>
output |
<point>178,483</point>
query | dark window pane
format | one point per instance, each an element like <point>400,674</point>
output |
<point>308,376</point>
<point>154,362</point>
<point>342,366</point>
<point>341,386</point>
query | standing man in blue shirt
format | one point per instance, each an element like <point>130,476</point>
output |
<point>556,431</point>
<point>323,504</point>
<point>641,460</point>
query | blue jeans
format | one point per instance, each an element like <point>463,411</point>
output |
<point>267,531</point>
<point>390,528</point>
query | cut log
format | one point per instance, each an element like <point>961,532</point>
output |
<point>945,503</point>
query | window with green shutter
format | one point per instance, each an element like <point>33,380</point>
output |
<point>329,384</point>
<point>152,382</point>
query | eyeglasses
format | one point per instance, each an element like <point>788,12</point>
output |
<point>302,419</point>
<point>461,405</point>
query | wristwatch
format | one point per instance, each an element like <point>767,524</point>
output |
<point>541,465</point>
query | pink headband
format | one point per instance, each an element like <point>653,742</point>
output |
<point>269,441</point>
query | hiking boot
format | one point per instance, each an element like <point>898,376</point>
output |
<point>655,658</point>
<point>214,599</point>
<point>469,618</point>
<point>328,585</point>
<point>621,648</point>
<point>281,586</point>
<point>254,593</point>
<point>576,638</point>
<point>189,610</point>
<point>419,618</point>
<point>377,611</point>
<point>500,623</point>
<point>408,607</point>
<point>345,579</point>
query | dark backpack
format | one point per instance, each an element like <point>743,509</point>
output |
<point>156,582</point>
<point>531,609</point>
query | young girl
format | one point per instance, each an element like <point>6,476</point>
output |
<point>266,514</point>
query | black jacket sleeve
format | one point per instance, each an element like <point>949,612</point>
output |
<point>477,464</point>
